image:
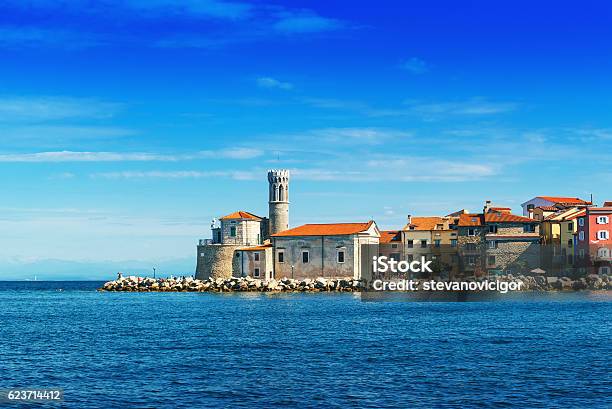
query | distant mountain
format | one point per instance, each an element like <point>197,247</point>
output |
<point>53,269</point>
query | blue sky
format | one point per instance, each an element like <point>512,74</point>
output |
<point>126,126</point>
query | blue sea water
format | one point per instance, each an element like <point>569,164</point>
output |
<point>188,350</point>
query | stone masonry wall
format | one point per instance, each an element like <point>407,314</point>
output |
<point>216,261</point>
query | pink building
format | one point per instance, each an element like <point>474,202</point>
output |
<point>594,240</point>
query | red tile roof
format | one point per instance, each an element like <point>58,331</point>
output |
<point>607,204</point>
<point>387,236</point>
<point>241,215</point>
<point>424,223</point>
<point>572,200</point>
<point>469,220</point>
<point>548,208</point>
<point>507,218</point>
<point>256,248</point>
<point>328,229</point>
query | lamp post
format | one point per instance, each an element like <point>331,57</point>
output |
<point>153,272</point>
<point>292,267</point>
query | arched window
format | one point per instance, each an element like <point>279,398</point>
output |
<point>275,193</point>
<point>281,193</point>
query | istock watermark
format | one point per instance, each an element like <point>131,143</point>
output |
<point>384,264</point>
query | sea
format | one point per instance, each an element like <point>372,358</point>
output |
<point>328,350</point>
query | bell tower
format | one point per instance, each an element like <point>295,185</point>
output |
<point>278,200</point>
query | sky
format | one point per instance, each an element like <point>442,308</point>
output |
<point>126,126</point>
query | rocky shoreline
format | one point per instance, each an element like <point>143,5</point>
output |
<point>248,284</point>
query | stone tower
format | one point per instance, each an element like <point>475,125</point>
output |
<point>278,200</point>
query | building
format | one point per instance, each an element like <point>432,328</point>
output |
<point>497,241</point>
<point>432,237</point>
<point>557,231</point>
<point>550,201</point>
<point>390,244</point>
<point>594,241</point>
<point>325,250</point>
<point>240,241</point>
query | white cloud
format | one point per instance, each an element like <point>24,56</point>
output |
<point>269,82</point>
<point>185,174</point>
<point>415,66</point>
<point>19,109</point>
<point>472,107</point>
<point>72,156</point>
<point>306,22</point>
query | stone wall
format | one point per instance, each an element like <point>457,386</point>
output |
<point>279,217</point>
<point>512,254</point>
<point>217,261</point>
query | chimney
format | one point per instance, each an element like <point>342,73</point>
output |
<point>409,219</point>
<point>487,206</point>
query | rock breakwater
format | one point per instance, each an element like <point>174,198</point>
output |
<point>593,282</point>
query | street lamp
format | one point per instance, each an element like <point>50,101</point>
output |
<point>153,272</point>
<point>292,267</point>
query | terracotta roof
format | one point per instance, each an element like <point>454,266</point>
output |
<point>507,218</point>
<point>575,215</point>
<point>328,229</point>
<point>468,220</point>
<point>424,223</point>
<point>572,200</point>
<point>548,208</point>
<point>256,248</point>
<point>387,236</point>
<point>607,204</point>
<point>241,215</point>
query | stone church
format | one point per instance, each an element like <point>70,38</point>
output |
<point>244,244</point>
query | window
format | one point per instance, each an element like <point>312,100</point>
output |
<point>491,260</point>
<point>233,231</point>
<point>604,270</point>
<point>570,243</point>
<point>470,246</point>
<point>530,206</point>
<point>423,244</point>
<point>394,246</point>
<point>281,256</point>
<point>493,228</point>
<point>529,228</point>
<point>437,243</point>
<point>602,235</point>
<point>453,242</point>
<point>201,254</point>
<point>340,256</point>
<point>602,220</point>
<point>492,244</point>
<point>256,272</point>
<point>305,256</point>
<point>570,226</point>
<point>603,253</point>
<point>470,260</point>
<point>410,244</point>
<point>395,256</point>
<point>581,236</point>
<point>410,257</point>
<point>581,253</point>
<point>581,221</point>
<point>471,232</point>
<point>256,256</point>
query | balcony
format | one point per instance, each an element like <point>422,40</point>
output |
<point>205,242</point>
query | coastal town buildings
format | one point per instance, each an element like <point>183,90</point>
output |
<point>550,202</point>
<point>558,234</point>
<point>496,241</point>
<point>594,240</point>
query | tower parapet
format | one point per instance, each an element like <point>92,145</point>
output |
<point>278,199</point>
